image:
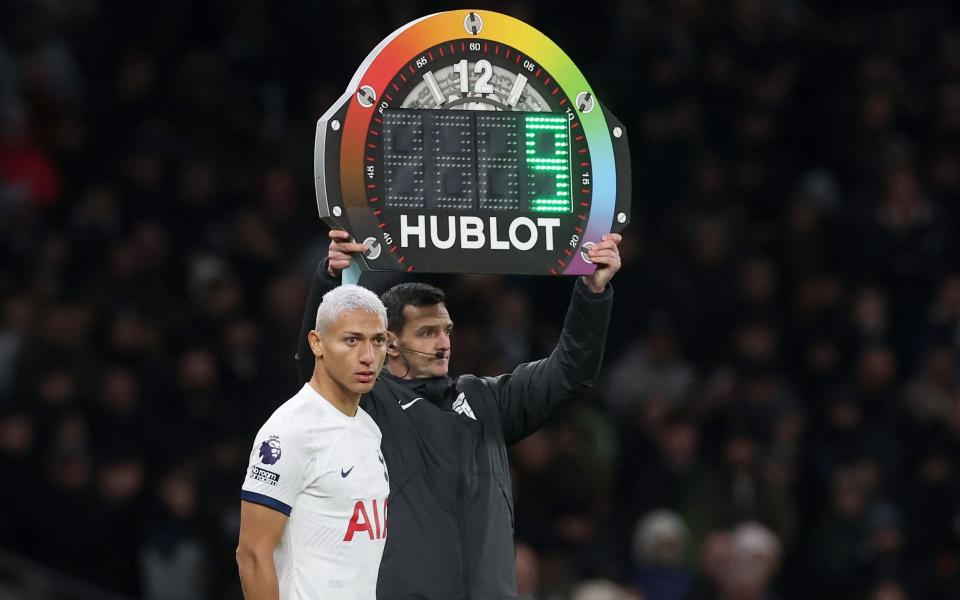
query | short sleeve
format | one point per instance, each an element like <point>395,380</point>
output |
<point>278,466</point>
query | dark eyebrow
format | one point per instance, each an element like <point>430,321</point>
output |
<point>435,326</point>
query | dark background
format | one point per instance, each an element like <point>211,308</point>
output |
<point>779,411</point>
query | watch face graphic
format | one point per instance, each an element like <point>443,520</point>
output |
<point>467,141</point>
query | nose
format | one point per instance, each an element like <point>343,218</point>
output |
<point>444,341</point>
<point>366,355</point>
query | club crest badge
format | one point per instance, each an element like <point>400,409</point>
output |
<point>270,450</point>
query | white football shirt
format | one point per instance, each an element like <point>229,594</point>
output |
<point>325,471</point>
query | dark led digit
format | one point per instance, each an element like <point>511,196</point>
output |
<point>498,161</point>
<point>403,159</point>
<point>453,162</point>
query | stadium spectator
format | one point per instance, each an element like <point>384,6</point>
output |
<point>786,332</point>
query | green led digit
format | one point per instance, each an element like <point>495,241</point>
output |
<point>547,139</point>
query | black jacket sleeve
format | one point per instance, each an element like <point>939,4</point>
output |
<point>536,390</point>
<point>321,284</point>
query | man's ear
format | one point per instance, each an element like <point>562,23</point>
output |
<point>316,343</point>
<point>392,342</point>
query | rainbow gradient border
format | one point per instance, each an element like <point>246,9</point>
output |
<point>403,45</point>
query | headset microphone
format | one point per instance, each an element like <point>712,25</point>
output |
<point>437,354</point>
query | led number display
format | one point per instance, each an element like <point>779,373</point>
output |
<point>471,160</point>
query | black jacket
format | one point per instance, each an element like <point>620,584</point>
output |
<point>451,505</point>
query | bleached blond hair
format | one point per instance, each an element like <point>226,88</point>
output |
<point>346,298</point>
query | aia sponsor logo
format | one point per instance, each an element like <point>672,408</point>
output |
<point>369,520</point>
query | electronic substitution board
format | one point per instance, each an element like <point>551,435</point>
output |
<point>468,142</point>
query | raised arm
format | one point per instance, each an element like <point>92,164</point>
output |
<point>327,277</point>
<point>535,391</point>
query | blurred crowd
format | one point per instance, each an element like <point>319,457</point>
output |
<point>779,416</point>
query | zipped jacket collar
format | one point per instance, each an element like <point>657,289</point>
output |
<point>432,389</point>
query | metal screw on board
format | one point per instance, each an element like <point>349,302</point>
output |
<point>621,218</point>
<point>373,248</point>
<point>585,102</point>
<point>335,125</point>
<point>583,251</point>
<point>473,23</point>
<point>366,96</point>
<point>337,211</point>
<point>617,132</point>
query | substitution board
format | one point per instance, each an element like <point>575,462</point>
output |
<point>469,142</point>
